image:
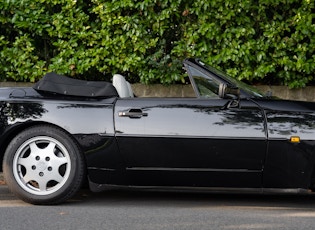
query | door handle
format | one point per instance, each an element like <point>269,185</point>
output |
<point>132,113</point>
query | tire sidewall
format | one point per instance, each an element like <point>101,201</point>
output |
<point>74,179</point>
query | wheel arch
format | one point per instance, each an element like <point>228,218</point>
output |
<point>14,131</point>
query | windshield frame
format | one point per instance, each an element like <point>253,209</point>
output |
<point>245,89</point>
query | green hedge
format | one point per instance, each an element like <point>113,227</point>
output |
<point>269,41</point>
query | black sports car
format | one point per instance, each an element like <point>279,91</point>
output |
<point>229,137</point>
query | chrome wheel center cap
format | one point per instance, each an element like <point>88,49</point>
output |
<point>41,166</point>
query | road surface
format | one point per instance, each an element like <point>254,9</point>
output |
<point>157,210</point>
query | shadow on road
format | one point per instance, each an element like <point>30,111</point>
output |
<point>180,199</point>
<point>165,199</point>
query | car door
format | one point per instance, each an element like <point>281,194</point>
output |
<point>191,142</point>
<point>205,141</point>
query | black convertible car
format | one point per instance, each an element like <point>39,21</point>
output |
<point>229,137</point>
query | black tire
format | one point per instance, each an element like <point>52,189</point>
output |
<point>43,165</point>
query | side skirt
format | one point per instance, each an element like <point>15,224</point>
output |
<point>103,187</point>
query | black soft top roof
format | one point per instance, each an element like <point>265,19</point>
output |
<point>59,84</point>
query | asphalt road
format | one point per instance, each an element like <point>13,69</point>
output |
<point>155,210</point>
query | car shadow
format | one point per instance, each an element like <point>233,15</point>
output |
<point>190,199</point>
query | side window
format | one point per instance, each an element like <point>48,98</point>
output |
<point>206,86</point>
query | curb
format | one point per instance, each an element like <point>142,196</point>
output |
<point>158,90</point>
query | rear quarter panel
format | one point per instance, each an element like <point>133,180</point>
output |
<point>89,122</point>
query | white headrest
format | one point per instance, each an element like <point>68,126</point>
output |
<point>122,86</point>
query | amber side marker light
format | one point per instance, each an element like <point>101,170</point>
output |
<point>295,139</point>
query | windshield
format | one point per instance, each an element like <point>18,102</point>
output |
<point>247,89</point>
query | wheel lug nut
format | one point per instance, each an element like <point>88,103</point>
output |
<point>47,159</point>
<point>41,174</point>
<point>49,168</point>
<point>33,167</point>
<point>37,158</point>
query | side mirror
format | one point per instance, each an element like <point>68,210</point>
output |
<point>225,91</point>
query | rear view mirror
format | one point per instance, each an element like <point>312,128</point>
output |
<point>226,91</point>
